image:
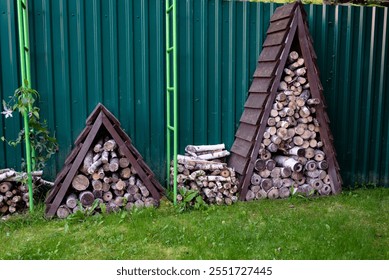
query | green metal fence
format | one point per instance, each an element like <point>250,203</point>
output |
<point>91,51</point>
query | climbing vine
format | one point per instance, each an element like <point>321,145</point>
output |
<point>41,141</point>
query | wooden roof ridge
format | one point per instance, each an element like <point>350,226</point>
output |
<point>287,23</point>
<point>100,117</point>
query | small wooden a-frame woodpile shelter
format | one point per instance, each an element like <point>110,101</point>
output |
<point>103,165</point>
<point>284,142</point>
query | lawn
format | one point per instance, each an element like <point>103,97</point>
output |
<point>353,225</point>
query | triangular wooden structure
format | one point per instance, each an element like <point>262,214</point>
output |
<point>99,120</point>
<point>288,31</point>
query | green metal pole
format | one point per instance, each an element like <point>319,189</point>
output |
<point>21,30</point>
<point>27,70</point>
<point>167,35</point>
<point>171,89</point>
<point>175,102</point>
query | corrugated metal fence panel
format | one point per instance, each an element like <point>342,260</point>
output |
<point>8,81</point>
<point>91,51</point>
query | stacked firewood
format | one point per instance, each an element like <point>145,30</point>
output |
<point>14,197</point>
<point>105,176</point>
<point>291,153</point>
<point>203,169</point>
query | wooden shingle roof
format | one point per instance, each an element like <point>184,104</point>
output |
<point>99,119</point>
<point>287,27</point>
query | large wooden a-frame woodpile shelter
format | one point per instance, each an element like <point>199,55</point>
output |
<point>284,139</point>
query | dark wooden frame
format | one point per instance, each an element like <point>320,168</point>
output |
<point>287,23</point>
<point>99,118</point>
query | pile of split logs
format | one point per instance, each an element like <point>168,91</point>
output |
<point>107,176</point>
<point>203,169</point>
<point>14,197</point>
<point>291,152</point>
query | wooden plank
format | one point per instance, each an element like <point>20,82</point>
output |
<point>52,193</point>
<point>157,185</point>
<point>261,85</point>
<point>95,113</point>
<point>279,25</point>
<point>244,184</point>
<point>321,115</point>
<point>122,133</point>
<point>75,166</point>
<point>84,133</point>
<point>270,53</point>
<point>143,176</point>
<point>273,39</point>
<point>134,151</point>
<point>110,116</point>
<point>256,100</point>
<point>241,147</point>
<point>246,132</point>
<point>73,154</point>
<point>283,12</point>
<point>145,167</point>
<point>238,163</point>
<point>250,116</point>
<point>265,69</point>
<point>61,175</point>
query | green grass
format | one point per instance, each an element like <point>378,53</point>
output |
<point>353,225</point>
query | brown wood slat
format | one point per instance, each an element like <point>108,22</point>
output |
<point>250,116</point>
<point>245,182</point>
<point>238,162</point>
<point>48,206</point>
<point>322,116</point>
<point>157,184</point>
<point>134,151</point>
<point>241,147</point>
<point>52,193</point>
<point>74,167</point>
<point>246,132</point>
<point>81,137</point>
<point>265,69</point>
<point>110,116</point>
<point>62,174</point>
<point>145,167</point>
<point>279,25</point>
<point>260,85</point>
<point>270,53</point>
<point>256,100</point>
<point>277,38</point>
<point>283,12</point>
<point>122,133</point>
<point>73,154</point>
<point>92,117</point>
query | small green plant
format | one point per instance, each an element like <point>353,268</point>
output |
<point>41,142</point>
<point>294,194</point>
<point>82,213</point>
<point>191,199</point>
